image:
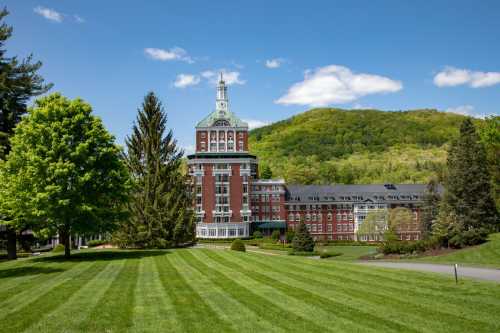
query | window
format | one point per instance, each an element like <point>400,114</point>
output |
<point>297,217</point>
<point>314,228</point>
<point>240,145</point>
<point>203,146</point>
<point>308,217</point>
<point>202,135</point>
<point>320,228</point>
<point>314,217</point>
<point>212,232</point>
<point>329,216</point>
<point>329,227</point>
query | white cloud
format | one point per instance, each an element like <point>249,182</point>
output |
<point>254,123</point>
<point>79,19</point>
<point>450,77</point>
<point>336,84</point>
<point>49,14</point>
<point>274,63</point>
<point>230,77</point>
<point>467,110</point>
<point>185,80</point>
<point>175,53</point>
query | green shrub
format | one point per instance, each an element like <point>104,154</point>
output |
<point>96,242</point>
<point>329,254</point>
<point>257,234</point>
<point>58,248</point>
<point>238,245</point>
<point>290,234</point>
<point>275,235</point>
<point>271,246</point>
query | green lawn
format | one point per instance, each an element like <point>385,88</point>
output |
<point>487,254</point>
<point>349,253</point>
<point>204,290</point>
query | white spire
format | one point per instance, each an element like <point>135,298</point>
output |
<point>221,103</point>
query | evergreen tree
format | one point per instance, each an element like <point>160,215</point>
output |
<point>266,172</point>
<point>430,208</point>
<point>19,82</point>
<point>161,214</point>
<point>468,196</point>
<point>302,241</point>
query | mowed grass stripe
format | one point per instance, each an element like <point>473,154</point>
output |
<point>14,302</point>
<point>75,311</point>
<point>191,311</point>
<point>114,311</point>
<point>282,317</point>
<point>408,295</point>
<point>441,286</point>
<point>56,296</point>
<point>18,279</point>
<point>243,320</point>
<point>153,311</point>
<point>375,300</point>
<point>338,309</point>
<point>280,300</point>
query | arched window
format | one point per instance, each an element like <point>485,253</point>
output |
<point>290,217</point>
<point>308,217</point>
<point>329,216</point>
<point>297,217</point>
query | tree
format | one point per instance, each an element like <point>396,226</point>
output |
<point>374,225</point>
<point>302,241</point>
<point>161,214</point>
<point>19,82</point>
<point>490,137</point>
<point>430,208</point>
<point>398,218</point>
<point>266,172</point>
<point>468,196</point>
<point>64,172</point>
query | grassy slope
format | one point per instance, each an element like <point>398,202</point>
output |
<point>487,254</point>
<point>357,146</point>
<point>217,290</point>
<point>349,253</point>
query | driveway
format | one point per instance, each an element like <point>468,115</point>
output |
<point>463,271</point>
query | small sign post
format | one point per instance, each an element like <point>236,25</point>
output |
<point>456,273</point>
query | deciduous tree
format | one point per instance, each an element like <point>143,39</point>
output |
<point>64,172</point>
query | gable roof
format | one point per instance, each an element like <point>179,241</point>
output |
<point>233,120</point>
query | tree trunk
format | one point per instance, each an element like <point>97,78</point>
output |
<point>64,238</point>
<point>11,244</point>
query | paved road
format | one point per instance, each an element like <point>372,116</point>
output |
<point>470,272</point>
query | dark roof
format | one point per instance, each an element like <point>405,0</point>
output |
<point>310,193</point>
<point>220,155</point>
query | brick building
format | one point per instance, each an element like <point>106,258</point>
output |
<point>231,202</point>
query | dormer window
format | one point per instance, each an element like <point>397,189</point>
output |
<point>221,122</point>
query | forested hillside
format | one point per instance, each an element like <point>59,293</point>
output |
<point>327,145</point>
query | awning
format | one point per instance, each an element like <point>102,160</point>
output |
<point>272,225</point>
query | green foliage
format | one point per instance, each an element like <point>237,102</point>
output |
<point>19,81</point>
<point>490,138</point>
<point>468,211</point>
<point>403,247</point>
<point>275,235</point>
<point>430,208</point>
<point>64,172</point>
<point>59,248</point>
<point>290,234</point>
<point>161,214</point>
<point>324,146</point>
<point>266,172</point>
<point>96,242</point>
<point>374,225</point>
<point>329,254</point>
<point>302,242</point>
<point>257,234</point>
<point>238,245</point>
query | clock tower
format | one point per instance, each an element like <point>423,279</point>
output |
<point>222,102</point>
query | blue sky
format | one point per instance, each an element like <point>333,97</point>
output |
<point>281,57</point>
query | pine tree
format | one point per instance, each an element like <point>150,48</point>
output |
<point>266,172</point>
<point>468,196</point>
<point>302,241</point>
<point>19,82</point>
<point>430,208</point>
<point>161,214</point>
